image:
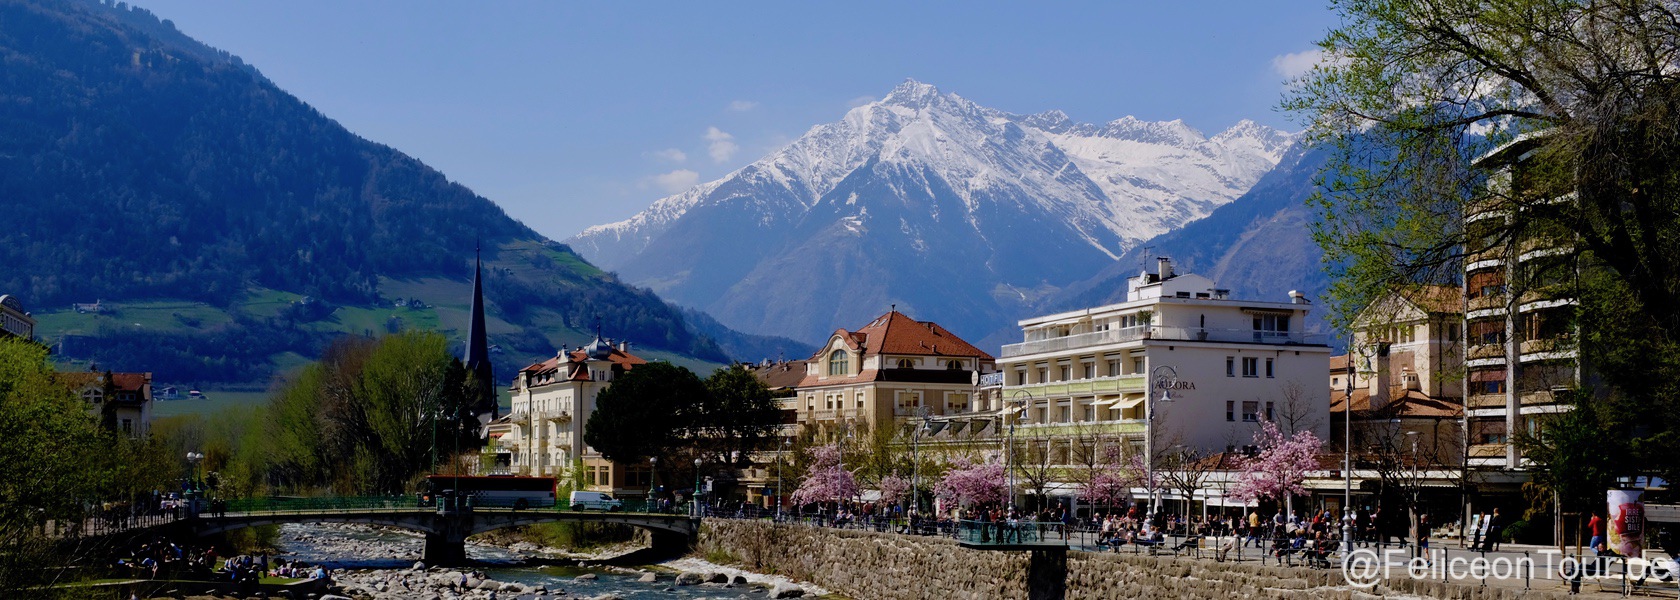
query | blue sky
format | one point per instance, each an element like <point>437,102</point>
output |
<point>570,114</point>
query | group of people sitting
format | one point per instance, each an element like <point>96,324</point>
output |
<point>163,559</point>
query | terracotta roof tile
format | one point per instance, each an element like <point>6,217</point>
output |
<point>896,333</point>
<point>1402,403</point>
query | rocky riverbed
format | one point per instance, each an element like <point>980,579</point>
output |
<point>378,564</point>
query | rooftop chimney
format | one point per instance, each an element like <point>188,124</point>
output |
<point>1163,267</point>
<point>1296,297</point>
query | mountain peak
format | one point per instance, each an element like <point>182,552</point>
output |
<point>911,93</point>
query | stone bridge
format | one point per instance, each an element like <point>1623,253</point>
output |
<point>446,532</point>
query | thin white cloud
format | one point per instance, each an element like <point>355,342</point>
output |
<point>1295,64</point>
<point>722,145</point>
<point>860,101</point>
<point>676,181</point>
<point>742,105</point>
<point>671,154</point>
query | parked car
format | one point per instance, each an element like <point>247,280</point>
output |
<point>595,501</point>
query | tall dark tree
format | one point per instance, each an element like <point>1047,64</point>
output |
<point>737,418</point>
<point>644,413</point>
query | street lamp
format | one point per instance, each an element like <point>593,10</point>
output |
<point>653,479</point>
<point>1009,446</point>
<point>194,458</point>
<point>779,475</point>
<point>1417,485</point>
<point>694,499</point>
<point>1165,378</point>
<point>916,461</point>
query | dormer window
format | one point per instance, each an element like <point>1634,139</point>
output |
<point>905,363</point>
<point>953,365</point>
<point>839,363</point>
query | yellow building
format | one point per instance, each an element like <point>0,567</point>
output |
<point>891,370</point>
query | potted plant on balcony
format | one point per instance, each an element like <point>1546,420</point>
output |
<point>1147,317</point>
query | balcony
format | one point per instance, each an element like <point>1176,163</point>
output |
<point>1487,401</point>
<point>1101,385</point>
<point>1486,351</point>
<point>1487,301</point>
<point>1184,334</point>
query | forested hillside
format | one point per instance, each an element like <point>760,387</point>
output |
<point>138,164</point>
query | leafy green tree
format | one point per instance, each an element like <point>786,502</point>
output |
<point>644,413</point>
<point>1410,93</point>
<point>371,416</point>
<point>737,417</point>
<point>55,462</point>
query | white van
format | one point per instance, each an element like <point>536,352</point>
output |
<point>595,501</point>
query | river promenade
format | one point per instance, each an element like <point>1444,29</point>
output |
<point>863,561</point>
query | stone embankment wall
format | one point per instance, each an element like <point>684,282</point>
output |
<point>875,566</point>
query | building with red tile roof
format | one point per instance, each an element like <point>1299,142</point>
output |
<point>121,401</point>
<point>894,368</point>
<point>552,399</point>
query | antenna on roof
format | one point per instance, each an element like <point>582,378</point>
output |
<point>597,325</point>
<point>894,308</point>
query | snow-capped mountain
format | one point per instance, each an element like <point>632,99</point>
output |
<point>962,213</point>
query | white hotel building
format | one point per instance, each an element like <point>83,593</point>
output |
<point>1229,363</point>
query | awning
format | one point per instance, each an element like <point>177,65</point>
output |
<point>1494,375</point>
<point>1127,404</point>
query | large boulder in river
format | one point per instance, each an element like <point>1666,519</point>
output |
<point>648,578</point>
<point>717,578</point>
<point>786,591</point>
<point>686,578</point>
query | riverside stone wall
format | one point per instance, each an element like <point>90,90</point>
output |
<point>874,566</point>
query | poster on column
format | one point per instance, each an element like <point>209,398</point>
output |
<point>1627,522</point>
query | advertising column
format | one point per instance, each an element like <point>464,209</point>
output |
<point>1627,522</point>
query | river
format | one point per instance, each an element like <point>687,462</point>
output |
<point>373,556</point>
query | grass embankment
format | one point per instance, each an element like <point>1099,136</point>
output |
<point>573,537</point>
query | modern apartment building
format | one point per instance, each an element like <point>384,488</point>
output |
<point>552,399</point>
<point>1521,337</point>
<point>889,371</point>
<point>1216,366</point>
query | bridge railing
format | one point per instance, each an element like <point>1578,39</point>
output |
<point>298,504</point>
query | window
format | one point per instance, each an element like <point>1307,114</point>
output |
<point>128,426</point>
<point>1066,414</point>
<point>1251,366</point>
<point>1251,411</point>
<point>860,399</point>
<point>1137,366</point>
<point>954,365</point>
<point>830,400</point>
<point>1090,370</point>
<point>1270,327</point>
<point>1021,377</point>
<point>1230,410</point>
<point>1113,367</point>
<point>1090,412</point>
<point>905,363</point>
<point>956,402</point>
<point>1043,373</point>
<point>1269,416</point>
<point>839,363</point>
<point>1452,332</point>
<point>1066,372</point>
<point>1268,368</point>
<point>1230,366</point>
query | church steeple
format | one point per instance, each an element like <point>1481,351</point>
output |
<point>478,349</point>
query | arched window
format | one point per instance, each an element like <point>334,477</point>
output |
<point>838,363</point>
<point>953,365</point>
<point>905,363</point>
